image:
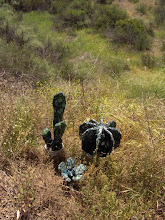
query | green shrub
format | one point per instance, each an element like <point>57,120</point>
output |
<point>163,46</point>
<point>58,6</point>
<point>142,8</point>
<point>21,63</point>
<point>78,13</point>
<point>160,12</point>
<point>132,31</point>
<point>60,51</point>
<point>149,26</point>
<point>30,5</point>
<point>75,13</point>
<point>56,52</point>
<point>104,1</point>
<point>105,17</point>
<point>134,1</point>
<point>66,71</point>
<point>2,2</point>
<point>9,25</point>
<point>163,58</point>
<point>148,60</point>
<point>115,67</point>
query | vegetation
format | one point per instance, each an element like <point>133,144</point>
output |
<point>160,12</point>
<point>133,32</point>
<point>142,8</point>
<point>133,1</point>
<point>107,66</point>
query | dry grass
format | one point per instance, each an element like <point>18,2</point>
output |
<point>126,185</point>
<point>36,193</point>
<point>131,7</point>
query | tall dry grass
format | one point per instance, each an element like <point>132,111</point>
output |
<point>127,184</point>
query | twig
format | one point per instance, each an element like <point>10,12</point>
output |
<point>3,188</point>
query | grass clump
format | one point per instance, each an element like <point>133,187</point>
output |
<point>148,60</point>
<point>144,84</point>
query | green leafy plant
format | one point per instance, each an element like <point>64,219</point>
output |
<point>142,8</point>
<point>104,1</point>
<point>78,13</point>
<point>105,17</point>
<point>132,31</point>
<point>30,5</point>
<point>148,60</point>
<point>160,12</point>
<point>116,67</point>
<point>134,1</point>
<point>163,46</point>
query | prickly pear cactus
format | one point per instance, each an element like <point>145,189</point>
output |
<point>99,138</point>
<point>59,103</point>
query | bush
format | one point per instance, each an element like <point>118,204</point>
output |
<point>58,6</point>
<point>160,12</point>
<point>148,60</point>
<point>104,1</point>
<point>149,26</point>
<point>66,71</point>
<point>163,57</point>
<point>116,67</point>
<point>2,2</point>
<point>78,13</point>
<point>9,25</point>
<point>106,16</point>
<point>21,63</point>
<point>61,51</point>
<point>142,8</point>
<point>132,31</point>
<point>134,1</point>
<point>30,5</point>
<point>75,13</point>
<point>163,46</point>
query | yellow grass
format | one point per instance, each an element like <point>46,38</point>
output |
<point>128,183</point>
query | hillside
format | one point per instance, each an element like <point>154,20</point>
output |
<point>108,58</point>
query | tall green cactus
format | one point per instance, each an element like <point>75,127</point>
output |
<point>59,126</point>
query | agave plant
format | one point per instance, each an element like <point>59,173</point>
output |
<point>69,172</point>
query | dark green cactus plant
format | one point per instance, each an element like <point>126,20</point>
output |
<point>59,126</point>
<point>99,138</point>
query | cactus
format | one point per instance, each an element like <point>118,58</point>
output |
<point>59,126</point>
<point>99,138</point>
